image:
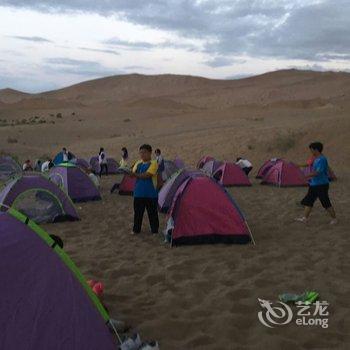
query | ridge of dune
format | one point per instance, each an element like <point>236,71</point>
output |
<point>9,95</point>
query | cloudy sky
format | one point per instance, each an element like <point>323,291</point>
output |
<point>50,44</point>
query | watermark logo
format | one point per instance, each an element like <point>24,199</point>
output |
<point>272,316</point>
<point>280,314</point>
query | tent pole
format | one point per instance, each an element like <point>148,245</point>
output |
<point>250,233</point>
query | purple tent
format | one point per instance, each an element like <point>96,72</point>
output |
<point>112,165</point>
<point>40,199</point>
<point>82,163</point>
<point>168,191</point>
<point>179,163</point>
<point>9,168</point>
<point>76,182</point>
<point>45,303</point>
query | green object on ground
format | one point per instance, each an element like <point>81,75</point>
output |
<point>307,297</point>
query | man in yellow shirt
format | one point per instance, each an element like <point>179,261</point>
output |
<point>145,192</point>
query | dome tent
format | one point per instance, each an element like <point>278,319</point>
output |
<point>203,212</point>
<point>9,168</point>
<point>229,174</point>
<point>168,191</point>
<point>266,166</point>
<point>59,157</point>
<point>127,185</point>
<point>211,166</point>
<point>75,181</point>
<point>284,174</point>
<point>38,198</point>
<point>203,160</point>
<point>48,304</point>
<point>82,163</point>
<point>112,165</point>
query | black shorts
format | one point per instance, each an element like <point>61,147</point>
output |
<point>320,192</point>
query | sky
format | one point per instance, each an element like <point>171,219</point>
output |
<point>46,45</point>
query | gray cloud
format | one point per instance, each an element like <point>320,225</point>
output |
<point>84,68</point>
<point>36,39</point>
<point>112,52</point>
<point>143,45</point>
<point>222,61</point>
<point>136,68</point>
<point>298,29</point>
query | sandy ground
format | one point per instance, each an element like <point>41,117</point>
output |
<point>206,297</point>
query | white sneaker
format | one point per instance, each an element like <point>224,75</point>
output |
<point>333,222</point>
<point>303,220</point>
<point>132,343</point>
<point>153,345</point>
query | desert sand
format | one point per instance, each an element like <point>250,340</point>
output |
<point>203,297</point>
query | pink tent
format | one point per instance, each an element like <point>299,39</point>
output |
<point>211,166</point>
<point>203,212</point>
<point>266,167</point>
<point>203,160</point>
<point>284,174</point>
<point>127,185</point>
<point>229,174</point>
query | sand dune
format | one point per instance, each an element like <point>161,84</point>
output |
<point>203,297</point>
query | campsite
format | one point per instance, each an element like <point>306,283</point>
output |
<point>174,175</point>
<point>198,296</point>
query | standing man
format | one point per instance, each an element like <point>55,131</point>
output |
<point>318,185</point>
<point>64,155</point>
<point>102,161</point>
<point>145,192</point>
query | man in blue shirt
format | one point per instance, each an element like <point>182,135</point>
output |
<point>145,191</point>
<point>318,185</point>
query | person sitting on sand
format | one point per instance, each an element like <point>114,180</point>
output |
<point>318,185</point>
<point>125,157</point>
<point>38,165</point>
<point>102,161</point>
<point>47,165</point>
<point>145,192</point>
<point>244,164</point>
<point>27,166</point>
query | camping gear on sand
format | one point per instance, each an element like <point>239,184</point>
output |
<point>306,297</point>
<point>203,212</point>
<point>203,160</point>
<point>77,184</point>
<point>284,174</point>
<point>45,301</point>
<point>266,167</point>
<point>230,174</point>
<point>9,168</point>
<point>211,166</point>
<point>37,197</point>
<point>168,191</point>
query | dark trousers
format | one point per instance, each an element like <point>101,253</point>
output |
<point>247,170</point>
<point>103,167</point>
<point>151,205</point>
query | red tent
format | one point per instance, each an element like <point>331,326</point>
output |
<point>203,160</point>
<point>266,167</point>
<point>127,185</point>
<point>203,212</point>
<point>283,174</point>
<point>229,174</point>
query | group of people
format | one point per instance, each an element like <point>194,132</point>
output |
<point>148,173</point>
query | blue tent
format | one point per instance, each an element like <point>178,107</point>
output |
<point>59,158</point>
